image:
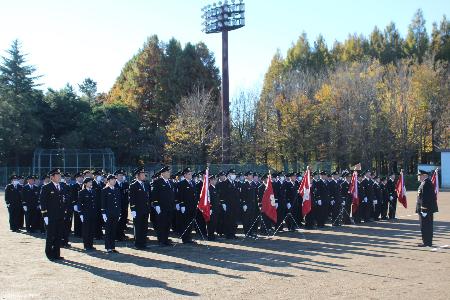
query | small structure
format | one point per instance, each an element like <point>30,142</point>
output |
<point>445,168</point>
<point>72,160</point>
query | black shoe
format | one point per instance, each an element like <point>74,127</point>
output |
<point>59,258</point>
<point>421,245</point>
<point>67,245</point>
<point>189,242</point>
<point>115,251</point>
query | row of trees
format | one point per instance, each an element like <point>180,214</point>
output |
<point>382,100</point>
<point>379,100</point>
<point>131,118</point>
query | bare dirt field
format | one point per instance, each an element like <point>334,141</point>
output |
<point>369,261</point>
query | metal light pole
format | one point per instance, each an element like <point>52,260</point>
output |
<point>224,17</point>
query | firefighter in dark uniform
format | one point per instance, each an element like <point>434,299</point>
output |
<point>87,207</point>
<point>335,199</point>
<point>188,204</point>
<point>139,198</point>
<point>97,185</point>
<point>74,189</point>
<point>111,209</point>
<point>346,197</point>
<point>215,208</point>
<point>310,218</point>
<point>53,204</point>
<point>392,196</point>
<point>321,199</point>
<point>229,193</point>
<point>385,201</point>
<point>248,204</point>
<point>378,198</point>
<point>68,210</point>
<point>368,196</point>
<point>14,203</point>
<point>291,192</point>
<point>163,200</point>
<point>123,187</point>
<point>199,216</point>
<point>426,206</point>
<point>30,203</point>
<point>266,226</point>
<point>221,178</point>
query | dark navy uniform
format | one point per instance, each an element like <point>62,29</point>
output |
<point>77,224</point>
<point>215,209</point>
<point>14,205</point>
<point>322,195</point>
<point>122,226</point>
<point>248,199</point>
<point>139,198</point>
<point>68,213</point>
<point>335,202</point>
<point>30,200</point>
<point>87,205</point>
<point>426,206</point>
<point>347,199</point>
<point>98,186</point>
<point>188,200</point>
<point>53,204</point>
<point>229,193</point>
<point>111,207</point>
<point>163,195</point>
<point>392,198</point>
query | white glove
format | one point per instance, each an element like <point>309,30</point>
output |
<point>104,218</point>
<point>276,205</point>
<point>133,214</point>
<point>46,220</point>
<point>7,205</point>
<point>177,206</point>
<point>39,207</point>
<point>210,212</point>
<point>288,206</point>
<point>332,202</point>
<point>375,201</point>
<point>424,214</point>
<point>244,207</point>
<point>75,208</point>
<point>183,209</point>
<point>319,202</point>
<point>224,206</point>
<point>365,199</point>
<point>391,198</point>
<point>158,209</point>
<point>25,208</point>
<point>81,218</point>
<point>343,203</point>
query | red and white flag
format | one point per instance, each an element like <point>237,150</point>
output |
<point>435,182</point>
<point>204,205</point>
<point>268,201</point>
<point>401,190</point>
<point>305,191</point>
<point>353,190</point>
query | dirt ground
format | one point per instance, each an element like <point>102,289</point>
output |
<point>373,261</point>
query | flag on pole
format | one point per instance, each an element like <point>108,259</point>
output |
<point>305,191</point>
<point>353,190</point>
<point>401,191</point>
<point>204,204</point>
<point>268,201</point>
<point>435,182</point>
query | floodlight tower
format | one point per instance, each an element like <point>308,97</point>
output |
<point>224,17</point>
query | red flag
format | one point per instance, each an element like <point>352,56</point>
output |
<point>401,191</point>
<point>353,189</point>
<point>204,204</point>
<point>305,191</point>
<point>435,182</point>
<point>268,202</point>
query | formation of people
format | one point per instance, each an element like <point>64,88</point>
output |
<point>94,205</point>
